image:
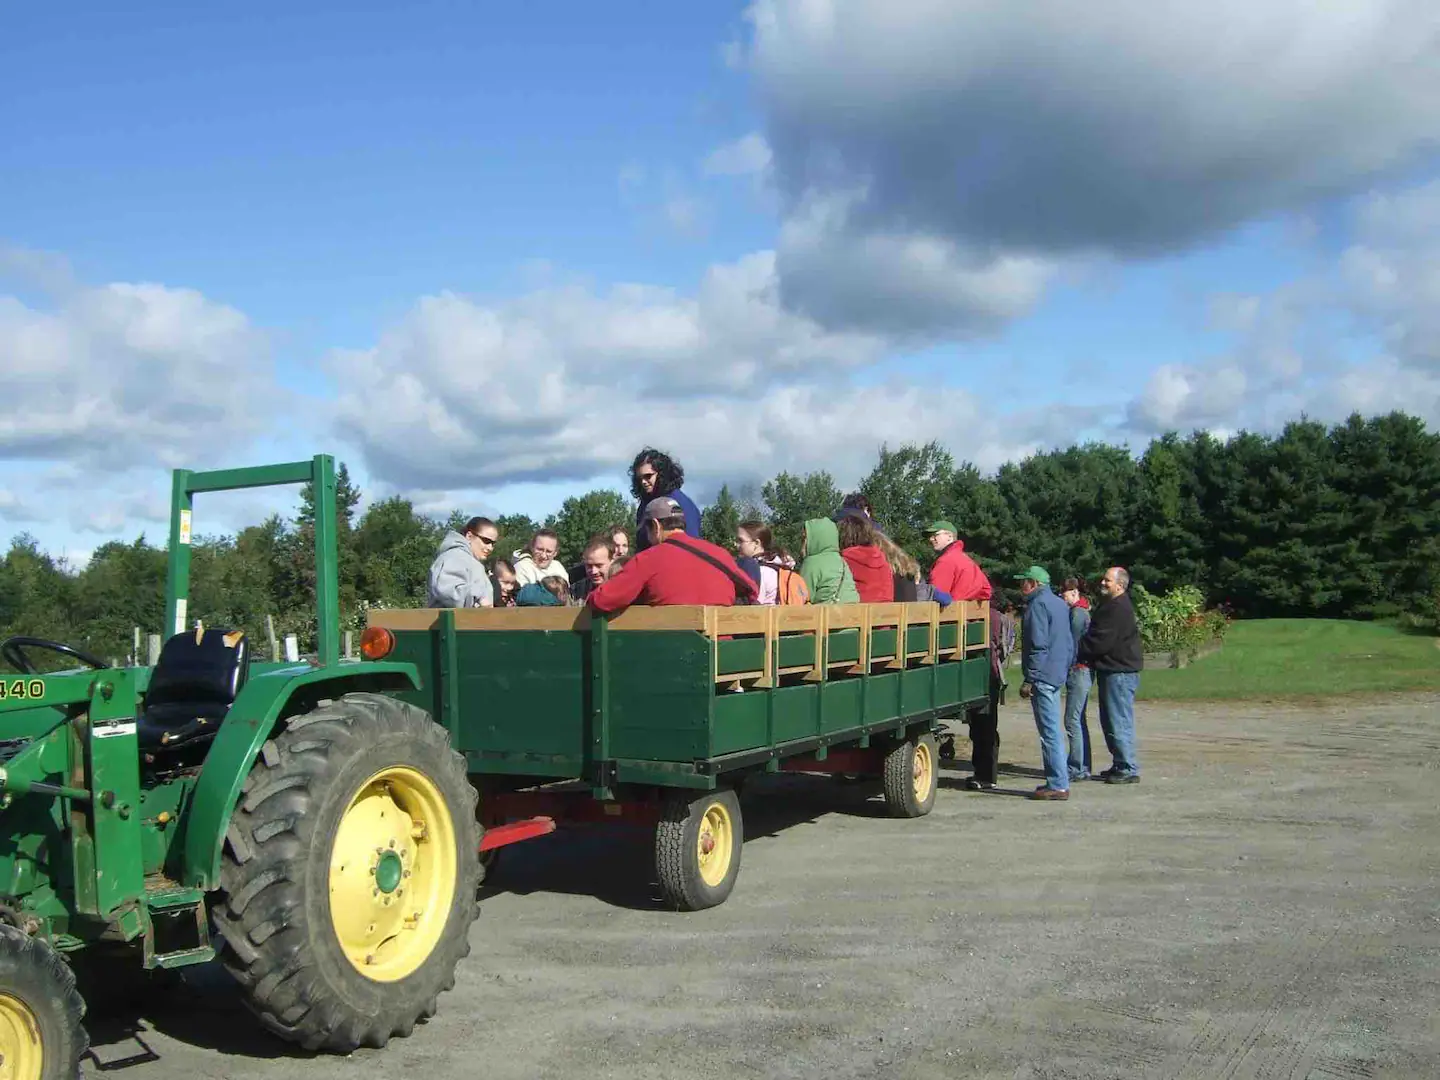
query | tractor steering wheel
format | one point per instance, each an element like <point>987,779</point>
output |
<point>11,652</point>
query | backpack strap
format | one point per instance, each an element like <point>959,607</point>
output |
<point>744,587</point>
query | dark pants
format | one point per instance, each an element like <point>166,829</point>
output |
<point>985,738</point>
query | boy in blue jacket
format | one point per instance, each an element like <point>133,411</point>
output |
<point>1047,649</point>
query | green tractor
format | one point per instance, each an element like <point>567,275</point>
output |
<point>298,820</point>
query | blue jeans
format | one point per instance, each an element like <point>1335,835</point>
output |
<point>1117,717</point>
<point>1045,702</point>
<point>1077,731</point>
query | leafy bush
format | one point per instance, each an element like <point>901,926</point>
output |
<point>1176,621</point>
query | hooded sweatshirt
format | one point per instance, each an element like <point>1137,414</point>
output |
<point>457,578</point>
<point>527,573</point>
<point>824,572</point>
<point>874,580</point>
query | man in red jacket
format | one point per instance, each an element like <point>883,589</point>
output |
<point>955,572</point>
<point>673,569</point>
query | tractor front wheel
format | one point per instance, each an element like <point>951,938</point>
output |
<point>41,1013</point>
<point>349,874</point>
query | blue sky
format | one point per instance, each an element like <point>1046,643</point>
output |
<point>463,246</point>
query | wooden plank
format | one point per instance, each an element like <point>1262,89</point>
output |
<point>402,618</point>
<point>902,639</point>
<point>741,620</point>
<point>565,618</point>
<point>809,617</point>
<point>772,647</point>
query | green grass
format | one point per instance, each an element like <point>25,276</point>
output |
<point>1303,658</point>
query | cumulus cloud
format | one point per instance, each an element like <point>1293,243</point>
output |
<point>908,285</point>
<point>1116,125</point>
<point>747,155</point>
<point>1391,273</point>
<point>1360,334</point>
<point>125,375</point>
<point>566,384</point>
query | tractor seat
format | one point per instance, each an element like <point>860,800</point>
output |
<point>191,689</point>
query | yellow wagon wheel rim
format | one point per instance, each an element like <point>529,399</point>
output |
<point>923,771</point>
<point>22,1055</point>
<point>393,870</point>
<point>715,845</point>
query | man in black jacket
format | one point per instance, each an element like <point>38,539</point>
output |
<point>1112,649</point>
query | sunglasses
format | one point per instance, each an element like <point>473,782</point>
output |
<point>489,541</point>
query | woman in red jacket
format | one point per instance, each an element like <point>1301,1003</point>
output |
<point>874,580</point>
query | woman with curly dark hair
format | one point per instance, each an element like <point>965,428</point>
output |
<point>652,474</point>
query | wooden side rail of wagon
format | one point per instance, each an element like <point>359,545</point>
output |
<point>762,647</point>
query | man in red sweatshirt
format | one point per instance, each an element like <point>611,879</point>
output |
<point>673,568</point>
<point>955,572</point>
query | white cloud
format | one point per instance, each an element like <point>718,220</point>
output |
<point>975,150</point>
<point>1116,125</point>
<point>125,375</point>
<point>687,216</point>
<point>907,285</point>
<point>1391,273</point>
<point>746,156</point>
<point>568,384</point>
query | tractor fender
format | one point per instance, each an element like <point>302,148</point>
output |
<point>260,708</point>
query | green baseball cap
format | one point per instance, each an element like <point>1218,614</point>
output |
<point>941,526</point>
<point>1034,573</point>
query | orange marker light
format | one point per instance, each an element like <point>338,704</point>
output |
<point>376,642</point>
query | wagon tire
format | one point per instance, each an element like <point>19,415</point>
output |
<point>697,848</point>
<point>361,800</point>
<point>42,1031</point>
<point>910,777</point>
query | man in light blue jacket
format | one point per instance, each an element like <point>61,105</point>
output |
<point>1047,649</point>
<point>457,576</point>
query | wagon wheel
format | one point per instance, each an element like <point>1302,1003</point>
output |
<point>910,778</point>
<point>697,848</point>
<point>41,1013</point>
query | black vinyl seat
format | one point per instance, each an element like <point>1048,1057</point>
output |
<point>191,689</point>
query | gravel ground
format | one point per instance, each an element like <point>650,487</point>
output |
<point>1264,904</point>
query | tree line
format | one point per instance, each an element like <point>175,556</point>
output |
<point>1340,521</point>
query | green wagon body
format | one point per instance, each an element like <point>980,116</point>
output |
<point>680,697</point>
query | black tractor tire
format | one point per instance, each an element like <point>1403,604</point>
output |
<point>40,1009</point>
<point>911,765</point>
<point>273,909</point>
<point>689,880</point>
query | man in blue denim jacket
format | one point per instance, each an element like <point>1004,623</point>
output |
<point>1047,649</point>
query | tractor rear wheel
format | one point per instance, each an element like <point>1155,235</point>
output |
<point>41,1013</point>
<point>349,874</point>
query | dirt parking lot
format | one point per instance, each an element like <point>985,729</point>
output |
<point>1263,904</point>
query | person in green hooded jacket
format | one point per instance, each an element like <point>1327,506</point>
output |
<point>825,573</point>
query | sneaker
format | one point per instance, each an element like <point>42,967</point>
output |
<point>1105,775</point>
<point>1077,776</point>
<point>971,784</point>
<point>1123,778</point>
<point>1049,794</point>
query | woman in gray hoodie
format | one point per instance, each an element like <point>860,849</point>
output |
<point>457,576</point>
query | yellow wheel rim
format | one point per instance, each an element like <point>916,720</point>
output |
<point>924,771</point>
<point>22,1057</point>
<point>715,845</point>
<point>392,874</point>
